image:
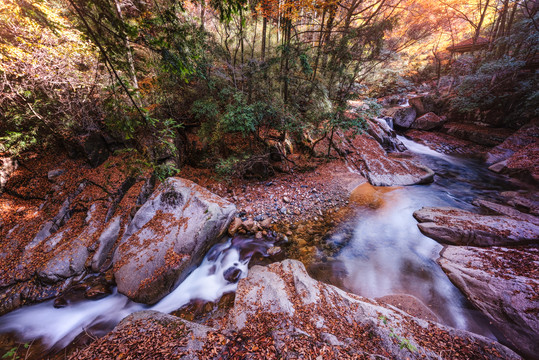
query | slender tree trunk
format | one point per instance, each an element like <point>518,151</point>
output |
<point>478,29</point>
<point>512,18</point>
<point>241,35</point>
<point>315,68</point>
<point>503,18</point>
<point>202,13</point>
<point>263,49</point>
<point>130,58</point>
<point>287,36</point>
<point>254,37</point>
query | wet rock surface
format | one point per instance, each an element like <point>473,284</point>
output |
<point>383,170</point>
<point>458,227</point>
<point>526,135</point>
<point>504,284</point>
<point>169,234</point>
<point>280,312</point>
<point>403,116</point>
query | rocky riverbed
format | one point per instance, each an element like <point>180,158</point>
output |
<point>75,228</point>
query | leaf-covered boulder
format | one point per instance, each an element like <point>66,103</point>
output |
<point>503,284</point>
<point>459,227</point>
<point>168,236</point>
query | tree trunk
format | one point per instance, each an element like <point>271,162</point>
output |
<point>263,49</point>
<point>315,68</point>
<point>241,34</point>
<point>478,29</point>
<point>202,13</point>
<point>130,58</point>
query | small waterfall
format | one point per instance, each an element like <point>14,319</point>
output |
<point>57,327</point>
<point>425,150</point>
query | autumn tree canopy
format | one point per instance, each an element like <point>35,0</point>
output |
<point>266,70</point>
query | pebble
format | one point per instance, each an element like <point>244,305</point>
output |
<point>274,250</point>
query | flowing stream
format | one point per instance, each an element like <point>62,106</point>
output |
<point>381,252</point>
<point>57,327</point>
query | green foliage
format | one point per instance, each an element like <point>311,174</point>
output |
<point>495,85</point>
<point>164,171</point>
<point>403,342</point>
<point>226,167</point>
<point>11,354</point>
<point>15,143</point>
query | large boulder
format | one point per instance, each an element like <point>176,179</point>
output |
<point>403,116</point>
<point>168,236</point>
<point>68,254</point>
<point>503,284</point>
<point>301,316</point>
<point>382,170</point>
<point>281,312</point>
<point>523,164</point>
<point>499,209</point>
<point>526,201</point>
<point>428,121</point>
<point>149,335</point>
<point>459,227</point>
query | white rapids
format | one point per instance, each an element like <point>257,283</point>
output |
<point>57,327</point>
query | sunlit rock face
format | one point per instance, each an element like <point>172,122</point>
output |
<point>383,170</point>
<point>169,235</point>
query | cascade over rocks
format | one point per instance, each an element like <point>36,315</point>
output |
<point>281,312</point>
<point>383,170</point>
<point>7,167</point>
<point>385,135</point>
<point>168,235</point>
<point>459,227</point>
<point>403,116</point>
<point>504,284</point>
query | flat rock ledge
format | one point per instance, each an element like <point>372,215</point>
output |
<point>282,313</point>
<point>454,226</point>
<point>504,284</point>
